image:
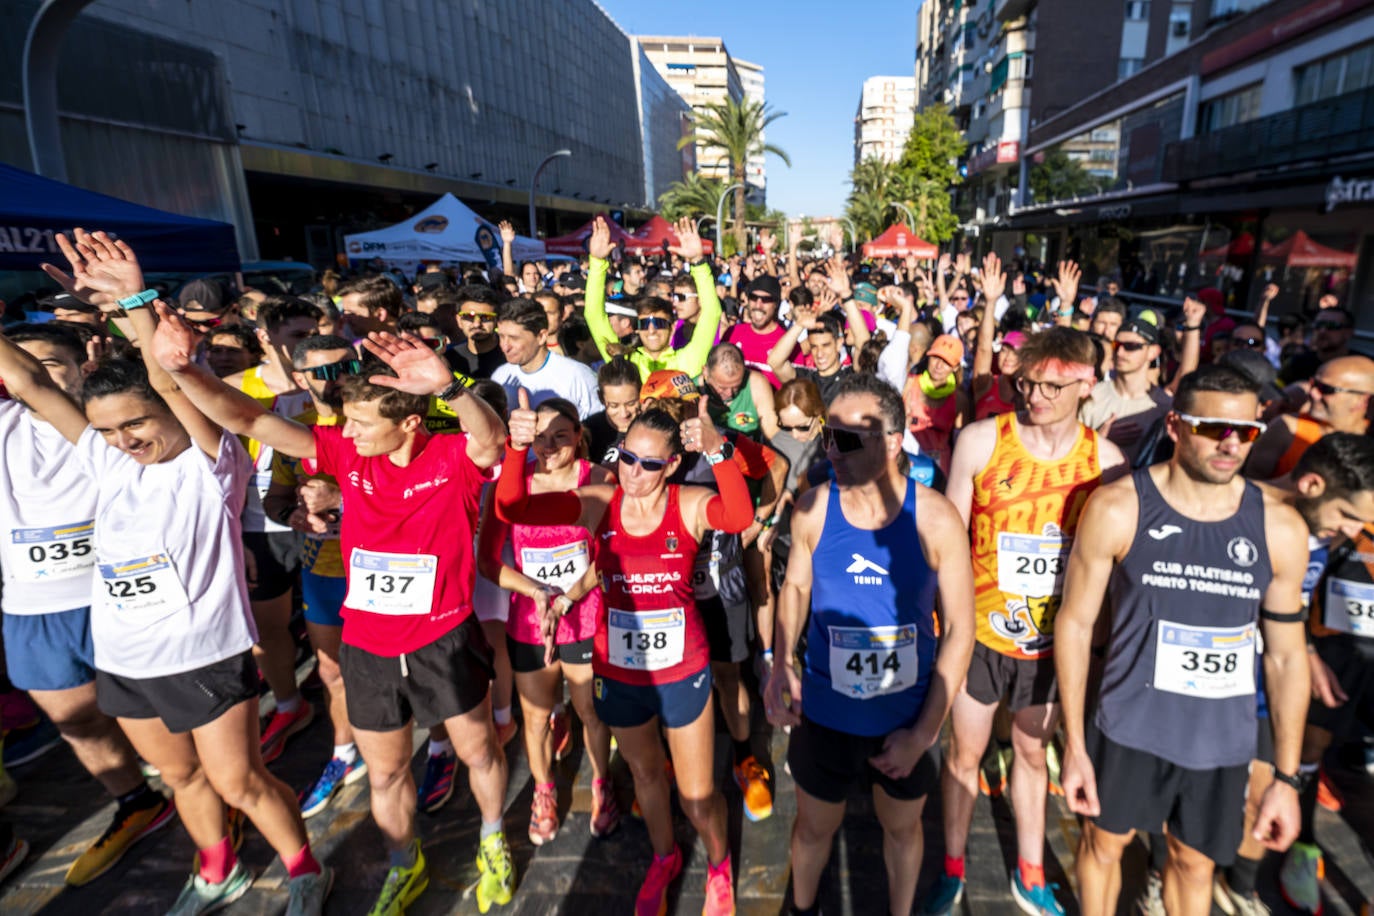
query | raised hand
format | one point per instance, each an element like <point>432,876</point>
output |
<point>698,433</point>
<point>507,232</point>
<point>963,263</point>
<point>419,370</point>
<point>522,423</point>
<point>175,342</point>
<point>1194,311</point>
<point>103,270</point>
<point>1067,283</point>
<point>837,277</point>
<point>942,264</point>
<point>1271,292</point>
<point>688,246</point>
<point>767,240</point>
<point>599,244</point>
<point>994,279</point>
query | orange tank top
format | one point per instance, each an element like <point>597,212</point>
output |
<point>1305,433</point>
<point>1025,513</point>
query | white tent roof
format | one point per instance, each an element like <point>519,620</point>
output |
<point>446,230</point>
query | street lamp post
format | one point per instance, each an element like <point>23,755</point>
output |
<point>534,182</point>
<point>700,220</point>
<point>720,206</point>
<point>910,217</point>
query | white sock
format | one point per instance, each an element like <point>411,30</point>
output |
<point>501,715</point>
<point>346,752</point>
<point>291,705</point>
<point>444,747</point>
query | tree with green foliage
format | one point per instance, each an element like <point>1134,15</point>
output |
<point>735,130</point>
<point>692,196</point>
<point>920,180</point>
<point>1058,176</point>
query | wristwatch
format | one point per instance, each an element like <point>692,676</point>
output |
<point>137,300</point>
<point>716,457</point>
<point>1297,781</point>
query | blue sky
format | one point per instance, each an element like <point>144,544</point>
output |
<point>816,55</point>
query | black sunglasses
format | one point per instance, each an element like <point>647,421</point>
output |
<point>797,429</point>
<point>652,465</point>
<point>1129,346</point>
<point>756,297</point>
<point>653,323</point>
<point>1328,389</point>
<point>330,371</point>
<point>846,440</point>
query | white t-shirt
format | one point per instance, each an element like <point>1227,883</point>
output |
<point>47,510</point>
<point>559,377</point>
<point>170,593</point>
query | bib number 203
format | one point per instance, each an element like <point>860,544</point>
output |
<point>387,584</point>
<point>1040,566</point>
<point>873,663</point>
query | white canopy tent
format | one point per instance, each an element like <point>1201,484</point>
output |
<point>447,230</point>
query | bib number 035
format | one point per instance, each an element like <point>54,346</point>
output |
<point>52,554</point>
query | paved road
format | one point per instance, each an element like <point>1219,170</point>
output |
<point>59,810</point>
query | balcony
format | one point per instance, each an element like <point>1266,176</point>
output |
<point>1337,126</point>
<point>1006,10</point>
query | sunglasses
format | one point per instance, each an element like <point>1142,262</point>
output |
<point>846,440</point>
<point>202,324</point>
<point>653,323</point>
<point>683,297</point>
<point>797,429</point>
<point>478,317</point>
<point>1327,389</point>
<point>1129,346</point>
<point>1329,325</point>
<point>766,300</point>
<point>1219,430</point>
<point>1247,341</point>
<point>434,343</point>
<point>330,371</point>
<point>958,298</point>
<point>652,465</point>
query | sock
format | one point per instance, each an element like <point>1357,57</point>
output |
<point>1032,876</point>
<point>1307,802</point>
<point>742,750</point>
<point>289,706</point>
<point>1003,745</point>
<point>302,863</point>
<point>489,829</point>
<point>404,858</point>
<point>723,866</point>
<point>346,752</point>
<point>954,868</point>
<point>140,798</point>
<point>1241,875</point>
<point>501,714</point>
<point>549,786</point>
<point>805,910</point>
<point>217,861</point>
<point>444,747</point>
<point>1159,853</point>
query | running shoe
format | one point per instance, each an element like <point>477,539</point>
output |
<point>543,815</point>
<point>653,894</point>
<point>148,770</point>
<point>1301,876</point>
<point>403,887</point>
<point>720,890</point>
<point>17,711</point>
<point>605,809</point>
<point>27,745</point>
<point>1052,764</point>
<point>1038,901</point>
<point>506,732</point>
<point>562,734</point>
<point>752,780</point>
<point>944,896</point>
<point>12,851</point>
<point>336,775</point>
<point>200,896</point>
<point>497,881</point>
<point>283,726</point>
<point>1328,796</point>
<point>992,772</point>
<point>1232,903</point>
<point>437,788</point>
<point>126,828</point>
<point>307,893</point>
<point>1151,899</point>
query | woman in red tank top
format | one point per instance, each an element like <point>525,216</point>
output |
<point>651,658</point>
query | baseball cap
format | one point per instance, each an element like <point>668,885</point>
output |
<point>1014,339</point>
<point>669,383</point>
<point>1147,330</point>
<point>203,296</point>
<point>67,302</point>
<point>571,282</point>
<point>866,293</point>
<point>624,311</point>
<point>768,286</point>
<point>949,348</point>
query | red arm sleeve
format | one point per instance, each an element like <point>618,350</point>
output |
<point>491,538</point>
<point>514,503</point>
<point>732,508</point>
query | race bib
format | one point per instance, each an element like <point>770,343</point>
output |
<point>646,640</point>
<point>146,586</point>
<point>868,662</point>
<point>1031,565</point>
<point>561,567</point>
<point>1209,662</point>
<point>1349,607</point>
<point>52,554</point>
<point>391,583</point>
<point>705,572</point>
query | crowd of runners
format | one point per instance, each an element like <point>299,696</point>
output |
<point>957,528</point>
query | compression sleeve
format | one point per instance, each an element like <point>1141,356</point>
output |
<point>692,357</point>
<point>514,504</point>
<point>731,509</point>
<point>594,311</point>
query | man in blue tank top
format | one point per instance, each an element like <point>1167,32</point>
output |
<point>1196,564</point>
<point>870,551</point>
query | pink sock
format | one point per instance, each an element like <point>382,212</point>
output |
<point>302,863</point>
<point>217,861</point>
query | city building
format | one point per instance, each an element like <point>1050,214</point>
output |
<point>300,121</point>
<point>755,170</point>
<point>887,107</point>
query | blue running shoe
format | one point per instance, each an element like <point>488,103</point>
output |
<point>1039,901</point>
<point>437,788</point>
<point>28,744</point>
<point>336,775</point>
<point>944,896</point>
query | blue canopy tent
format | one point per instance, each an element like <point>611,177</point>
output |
<point>33,209</point>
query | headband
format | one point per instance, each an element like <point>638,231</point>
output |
<point>1079,372</point>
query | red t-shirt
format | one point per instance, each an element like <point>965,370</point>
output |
<point>755,346</point>
<point>406,532</point>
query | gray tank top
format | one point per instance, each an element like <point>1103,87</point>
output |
<point>1179,682</point>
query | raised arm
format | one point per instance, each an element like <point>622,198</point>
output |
<point>994,282</point>
<point>1188,360</point>
<point>26,379</point>
<point>692,358</point>
<point>730,508</point>
<point>599,249</point>
<point>780,356</point>
<point>507,248</point>
<point>1271,292</point>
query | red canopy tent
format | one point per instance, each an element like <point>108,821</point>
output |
<point>898,242</point>
<point>649,237</point>
<point>1299,250</point>
<point>575,242</point>
<point>1242,246</point>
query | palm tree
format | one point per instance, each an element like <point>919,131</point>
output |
<point>692,196</point>
<point>736,130</point>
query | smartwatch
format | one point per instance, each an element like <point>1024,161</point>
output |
<point>137,300</point>
<point>1297,781</point>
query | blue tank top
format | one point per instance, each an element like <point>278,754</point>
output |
<point>871,639</point>
<point>1182,659</point>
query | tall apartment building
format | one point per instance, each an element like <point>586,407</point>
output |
<point>755,172</point>
<point>887,107</point>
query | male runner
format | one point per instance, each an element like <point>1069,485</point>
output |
<point>869,552</point>
<point>1338,400</point>
<point>1195,563</point>
<point>1020,479</point>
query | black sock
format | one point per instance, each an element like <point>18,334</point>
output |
<point>742,750</point>
<point>1159,852</point>
<point>1307,802</point>
<point>140,798</point>
<point>1242,874</point>
<point>812,910</point>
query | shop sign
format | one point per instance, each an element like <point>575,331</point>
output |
<point>1351,191</point>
